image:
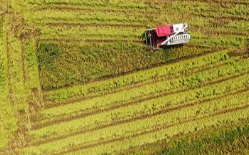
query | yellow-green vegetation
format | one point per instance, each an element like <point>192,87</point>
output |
<point>7,118</point>
<point>76,77</point>
<point>232,139</point>
<point>85,41</point>
<point>19,74</point>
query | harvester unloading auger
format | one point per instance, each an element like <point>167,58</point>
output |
<point>166,35</point>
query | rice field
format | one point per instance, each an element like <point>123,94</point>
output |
<point>76,77</point>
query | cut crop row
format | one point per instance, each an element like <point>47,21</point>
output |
<point>167,108</point>
<point>150,106</point>
<point>149,88</point>
<point>146,123</point>
<point>164,132</point>
<point>118,116</point>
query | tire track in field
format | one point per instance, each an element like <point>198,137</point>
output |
<point>221,3</point>
<point>72,37</point>
<point>11,91</point>
<point>41,21</point>
<point>136,86</point>
<point>156,129</point>
<point>221,32</point>
<point>70,24</point>
<point>90,40</point>
<point>132,72</point>
<point>115,123</point>
<point>181,106</point>
<point>68,7</point>
<point>220,17</point>
<point>23,55</point>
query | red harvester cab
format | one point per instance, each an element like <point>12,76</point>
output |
<point>166,35</point>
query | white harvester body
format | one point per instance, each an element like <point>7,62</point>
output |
<point>167,35</point>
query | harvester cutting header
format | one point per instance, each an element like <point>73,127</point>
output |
<point>166,35</point>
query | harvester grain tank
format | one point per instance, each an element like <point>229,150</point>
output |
<point>167,35</point>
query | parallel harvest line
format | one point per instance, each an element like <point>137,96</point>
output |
<point>125,121</point>
<point>90,40</point>
<point>69,24</point>
<point>136,86</point>
<point>140,117</point>
<point>192,119</point>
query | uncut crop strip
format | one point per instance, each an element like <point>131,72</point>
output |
<point>129,79</point>
<point>45,132</point>
<point>105,88</point>
<point>153,76</point>
<point>196,52</point>
<point>209,72</point>
<point>240,80</point>
<point>149,81</point>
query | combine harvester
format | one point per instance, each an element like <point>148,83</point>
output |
<point>167,35</point>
